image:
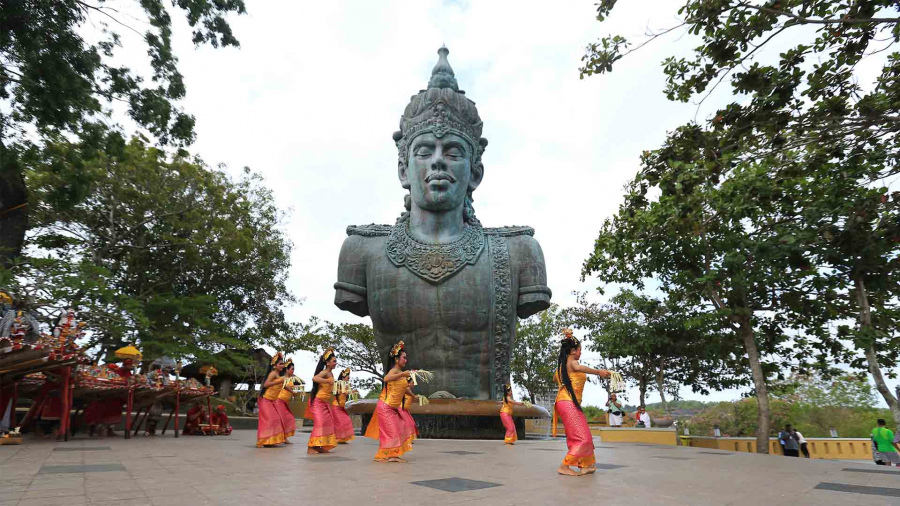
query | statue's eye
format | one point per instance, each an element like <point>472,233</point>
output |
<point>454,153</point>
<point>423,151</point>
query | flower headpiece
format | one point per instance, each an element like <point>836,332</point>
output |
<point>569,337</point>
<point>395,351</point>
<point>278,356</point>
<point>345,372</point>
<point>328,354</point>
<point>289,362</point>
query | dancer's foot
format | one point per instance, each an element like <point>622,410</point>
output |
<point>312,451</point>
<point>397,459</point>
<point>381,461</point>
<point>566,470</point>
<point>589,470</point>
<point>287,442</point>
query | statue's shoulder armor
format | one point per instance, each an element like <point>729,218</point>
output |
<point>509,231</point>
<point>373,230</point>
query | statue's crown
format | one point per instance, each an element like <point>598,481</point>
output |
<point>442,108</point>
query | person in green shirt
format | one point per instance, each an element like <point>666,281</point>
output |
<point>886,443</point>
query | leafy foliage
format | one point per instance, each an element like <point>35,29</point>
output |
<point>160,250</point>
<point>355,347</point>
<point>53,81</point>
<point>536,351</point>
<point>740,213</point>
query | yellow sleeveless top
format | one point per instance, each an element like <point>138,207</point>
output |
<point>325,392</point>
<point>409,399</point>
<point>340,400</point>
<point>272,393</point>
<point>286,395</point>
<point>506,408</point>
<point>578,380</point>
<point>393,394</point>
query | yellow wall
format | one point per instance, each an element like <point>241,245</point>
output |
<point>819,448</point>
<point>627,435</point>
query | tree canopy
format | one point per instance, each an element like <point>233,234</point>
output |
<point>732,219</point>
<point>52,80</point>
<point>160,250</point>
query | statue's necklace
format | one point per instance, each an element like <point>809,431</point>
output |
<point>434,262</point>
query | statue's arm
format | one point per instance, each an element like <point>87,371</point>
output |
<point>350,289</point>
<point>534,294</point>
<point>6,322</point>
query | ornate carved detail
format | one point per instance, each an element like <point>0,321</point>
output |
<point>433,262</point>
<point>500,274</point>
<point>510,231</point>
<point>372,230</point>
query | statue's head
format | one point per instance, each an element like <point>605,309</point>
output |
<point>440,145</point>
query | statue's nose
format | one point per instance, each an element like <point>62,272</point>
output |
<point>438,162</point>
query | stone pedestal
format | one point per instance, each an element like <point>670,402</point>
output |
<point>456,418</point>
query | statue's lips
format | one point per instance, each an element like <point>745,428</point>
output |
<point>440,184</point>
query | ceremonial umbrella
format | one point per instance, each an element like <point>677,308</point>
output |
<point>128,352</point>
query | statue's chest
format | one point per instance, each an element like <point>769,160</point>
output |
<point>401,301</point>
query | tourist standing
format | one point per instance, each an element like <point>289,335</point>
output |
<point>789,441</point>
<point>571,376</point>
<point>269,429</point>
<point>506,412</point>
<point>322,439</point>
<point>285,397</point>
<point>394,438</point>
<point>343,424</point>
<point>887,443</point>
<point>614,410</point>
<point>804,448</point>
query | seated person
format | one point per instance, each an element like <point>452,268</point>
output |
<point>220,420</point>
<point>196,416</point>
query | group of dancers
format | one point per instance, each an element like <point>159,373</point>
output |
<point>393,425</point>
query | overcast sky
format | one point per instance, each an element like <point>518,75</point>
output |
<point>311,99</point>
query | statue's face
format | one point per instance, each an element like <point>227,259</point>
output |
<point>439,172</point>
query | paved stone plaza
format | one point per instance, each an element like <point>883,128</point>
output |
<point>230,470</point>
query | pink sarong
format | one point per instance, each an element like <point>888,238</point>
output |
<point>394,438</point>
<point>269,428</point>
<point>323,425</point>
<point>287,418</point>
<point>343,424</point>
<point>578,435</point>
<point>511,435</point>
<point>409,423</point>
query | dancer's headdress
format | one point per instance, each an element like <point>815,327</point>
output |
<point>328,354</point>
<point>289,362</point>
<point>344,372</point>
<point>278,356</point>
<point>395,351</point>
<point>570,338</point>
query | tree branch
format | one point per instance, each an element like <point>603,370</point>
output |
<point>821,21</point>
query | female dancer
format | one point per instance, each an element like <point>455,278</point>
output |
<point>322,439</point>
<point>571,377</point>
<point>284,399</point>
<point>408,421</point>
<point>506,415</point>
<point>343,425</point>
<point>393,435</point>
<point>270,428</point>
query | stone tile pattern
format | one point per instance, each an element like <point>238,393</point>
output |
<point>199,471</point>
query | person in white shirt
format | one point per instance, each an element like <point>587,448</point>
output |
<point>642,417</point>
<point>803,446</point>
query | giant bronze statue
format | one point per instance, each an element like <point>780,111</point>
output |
<point>437,280</point>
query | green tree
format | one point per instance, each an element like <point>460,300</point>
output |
<point>808,138</point>
<point>164,252</point>
<point>52,80</point>
<point>535,352</point>
<point>658,344</point>
<point>355,347</point>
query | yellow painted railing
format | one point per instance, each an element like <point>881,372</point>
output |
<point>819,448</point>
